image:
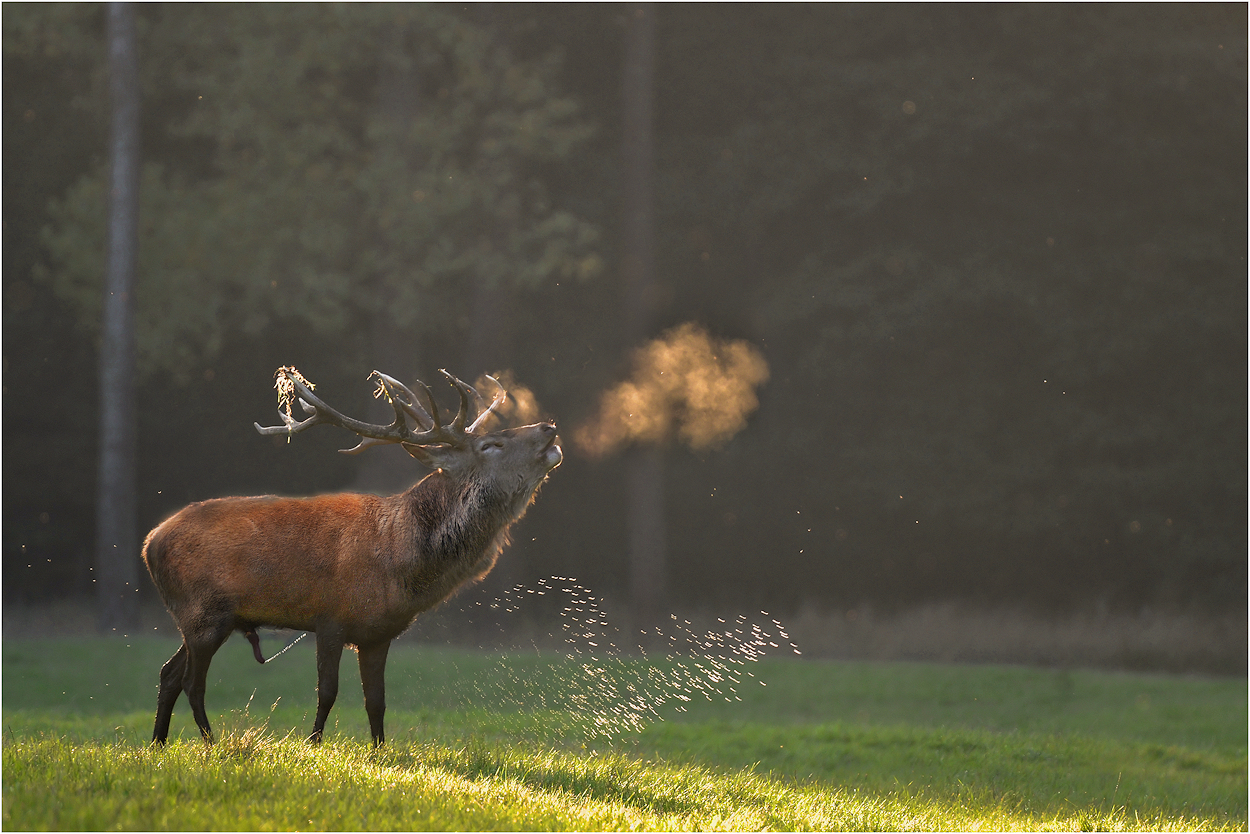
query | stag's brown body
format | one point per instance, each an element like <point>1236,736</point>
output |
<point>355,569</point>
<point>366,563</point>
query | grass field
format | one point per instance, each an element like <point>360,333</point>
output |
<point>523,741</point>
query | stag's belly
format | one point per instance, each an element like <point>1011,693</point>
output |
<point>364,611</point>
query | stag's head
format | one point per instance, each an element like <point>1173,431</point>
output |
<point>510,462</point>
<point>513,461</point>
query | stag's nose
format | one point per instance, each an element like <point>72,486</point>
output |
<point>551,453</point>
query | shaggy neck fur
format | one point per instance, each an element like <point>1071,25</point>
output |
<point>461,527</point>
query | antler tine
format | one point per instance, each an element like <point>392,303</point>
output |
<point>495,401</point>
<point>429,398</point>
<point>291,425</point>
<point>366,443</point>
<point>464,390</point>
<point>413,408</point>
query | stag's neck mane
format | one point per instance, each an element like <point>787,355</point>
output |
<point>459,520</point>
<point>458,533</point>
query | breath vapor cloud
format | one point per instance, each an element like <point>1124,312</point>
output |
<point>685,384</point>
<point>519,408</point>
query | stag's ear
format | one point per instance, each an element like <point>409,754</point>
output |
<point>435,457</point>
<point>420,453</point>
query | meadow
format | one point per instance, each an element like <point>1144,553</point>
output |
<point>547,740</point>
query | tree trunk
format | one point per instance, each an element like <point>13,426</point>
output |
<point>488,342</point>
<point>644,480</point>
<point>648,573</point>
<point>396,350</point>
<point>117,564</point>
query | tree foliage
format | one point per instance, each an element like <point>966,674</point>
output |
<point>281,189</point>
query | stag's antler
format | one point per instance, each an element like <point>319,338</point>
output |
<point>292,384</point>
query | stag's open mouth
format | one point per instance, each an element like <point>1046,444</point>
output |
<point>552,454</point>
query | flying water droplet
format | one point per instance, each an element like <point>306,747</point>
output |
<point>599,686</point>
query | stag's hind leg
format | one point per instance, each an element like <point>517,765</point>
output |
<point>200,651</point>
<point>172,674</point>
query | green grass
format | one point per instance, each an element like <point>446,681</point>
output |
<point>488,741</point>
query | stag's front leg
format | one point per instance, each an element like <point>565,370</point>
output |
<point>373,678</point>
<point>329,652</point>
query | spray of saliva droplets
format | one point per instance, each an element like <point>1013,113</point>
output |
<point>604,686</point>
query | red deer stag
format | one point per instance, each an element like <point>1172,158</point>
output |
<point>354,569</point>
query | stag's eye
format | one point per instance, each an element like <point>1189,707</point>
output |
<point>491,444</point>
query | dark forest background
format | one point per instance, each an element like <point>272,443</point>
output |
<point>994,256</point>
